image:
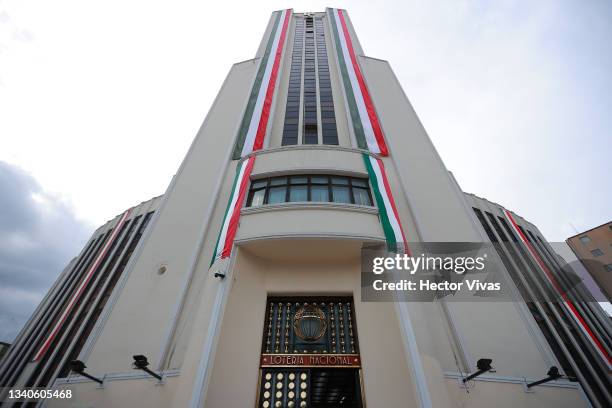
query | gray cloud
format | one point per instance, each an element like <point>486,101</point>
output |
<point>39,234</point>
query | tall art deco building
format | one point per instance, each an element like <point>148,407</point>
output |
<point>241,285</point>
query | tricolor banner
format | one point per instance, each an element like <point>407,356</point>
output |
<point>255,121</point>
<point>81,288</point>
<point>567,303</point>
<point>223,247</point>
<point>363,115</point>
<point>389,216</point>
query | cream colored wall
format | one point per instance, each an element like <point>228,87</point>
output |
<point>486,394</point>
<point>140,319</point>
<point>302,159</point>
<point>236,367</point>
<point>310,220</point>
<point>497,330</point>
<point>118,393</point>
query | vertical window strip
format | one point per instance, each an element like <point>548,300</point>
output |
<point>81,308</point>
<point>310,86</point>
<point>328,116</point>
<point>292,110</point>
<point>515,274</point>
<point>133,239</point>
<point>14,369</point>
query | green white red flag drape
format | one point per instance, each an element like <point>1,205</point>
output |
<point>81,288</point>
<point>225,241</point>
<point>567,303</point>
<point>366,125</point>
<point>255,120</point>
<point>389,216</point>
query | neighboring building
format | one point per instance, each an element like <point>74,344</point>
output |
<point>245,289</point>
<point>594,249</point>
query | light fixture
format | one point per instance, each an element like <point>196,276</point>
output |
<point>79,367</point>
<point>141,363</point>
<point>553,374</point>
<point>483,365</point>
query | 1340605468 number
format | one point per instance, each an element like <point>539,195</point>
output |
<point>38,393</point>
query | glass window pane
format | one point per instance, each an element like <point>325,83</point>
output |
<point>258,184</point>
<point>298,193</point>
<point>340,180</point>
<point>277,195</point>
<point>361,196</point>
<point>258,198</point>
<point>319,180</point>
<point>319,193</point>
<point>299,180</point>
<point>359,182</point>
<point>341,194</point>
<point>278,181</point>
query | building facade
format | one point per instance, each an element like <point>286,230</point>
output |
<point>594,249</point>
<point>3,348</point>
<point>245,287</point>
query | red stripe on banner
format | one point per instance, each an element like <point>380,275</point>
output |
<point>81,287</point>
<point>233,224</point>
<point>392,202</point>
<point>552,279</point>
<point>265,113</point>
<point>364,90</point>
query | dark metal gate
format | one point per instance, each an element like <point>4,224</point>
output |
<point>310,354</point>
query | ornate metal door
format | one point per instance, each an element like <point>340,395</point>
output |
<point>310,354</point>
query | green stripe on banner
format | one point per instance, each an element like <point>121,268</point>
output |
<point>227,211</point>
<point>248,114</point>
<point>350,96</point>
<point>377,186</point>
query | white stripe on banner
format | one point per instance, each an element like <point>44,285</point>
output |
<point>230,209</point>
<point>399,238</point>
<point>363,112</point>
<point>261,96</point>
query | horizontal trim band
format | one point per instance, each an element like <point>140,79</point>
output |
<point>514,380</point>
<point>126,375</point>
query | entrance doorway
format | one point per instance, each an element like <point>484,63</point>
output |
<point>310,354</point>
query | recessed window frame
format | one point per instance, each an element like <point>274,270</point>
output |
<point>331,180</point>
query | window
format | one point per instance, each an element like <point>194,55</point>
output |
<point>608,267</point>
<point>328,116</point>
<point>585,239</point>
<point>597,252</point>
<point>310,105</point>
<point>290,129</point>
<point>313,188</point>
<point>310,87</point>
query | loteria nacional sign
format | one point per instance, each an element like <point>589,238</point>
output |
<point>311,360</point>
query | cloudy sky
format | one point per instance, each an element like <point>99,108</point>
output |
<point>100,100</point>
